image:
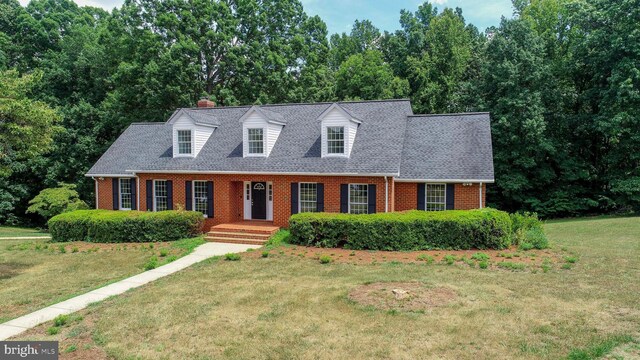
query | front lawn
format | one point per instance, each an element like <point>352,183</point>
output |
<point>12,231</point>
<point>283,305</point>
<point>38,273</point>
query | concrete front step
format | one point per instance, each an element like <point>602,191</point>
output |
<point>228,240</point>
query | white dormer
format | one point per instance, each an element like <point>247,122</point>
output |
<point>260,131</point>
<point>338,128</point>
<point>191,130</point>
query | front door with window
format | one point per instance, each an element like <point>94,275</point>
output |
<point>259,200</point>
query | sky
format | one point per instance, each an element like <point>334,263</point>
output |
<point>340,14</point>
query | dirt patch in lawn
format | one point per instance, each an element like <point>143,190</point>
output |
<point>11,269</point>
<point>507,259</point>
<point>403,296</point>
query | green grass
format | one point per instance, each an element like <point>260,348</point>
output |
<point>12,231</point>
<point>289,307</point>
<point>37,273</point>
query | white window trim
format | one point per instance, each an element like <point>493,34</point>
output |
<point>193,142</point>
<point>154,193</point>
<point>264,143</point>
<point>300,197</point>
<point>193,195</point>
<point>345,140</point>
<point>120,193</point>
<point>349,197</point>
<point>426,195</point>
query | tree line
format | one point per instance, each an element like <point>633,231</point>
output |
<point>561,80</point>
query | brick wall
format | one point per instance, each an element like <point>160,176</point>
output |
<point>465,198</point>
<point>227,193</point>
<point>228,189</point>
<point>468,197</point>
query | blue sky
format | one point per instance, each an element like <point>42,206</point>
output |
<point>340,14</point>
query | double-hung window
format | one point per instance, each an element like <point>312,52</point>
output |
<point>200,199</point>
<point>184,142</point>
<point>256,141</point>
<point>308,197</point>
<point>435,197</point>
<point>335,140</point>
<point>358,198</point>
<point>160,201</point>
<point>125,194</point>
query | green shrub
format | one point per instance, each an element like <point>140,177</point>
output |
<point>232,257</point>
<point>537,238</point>
<point>53,201</point>
<point>449,259</point>
<point>570,259</point>
<point>511,265</point>
<point>325,259</point>
<point>521,223</point>
<point>526,246</point>
<point>152,263</point>
<point>483,264</point>
<point>405,231</point>
<point>480,256</point>
<point>112,226</point>
<point>54,330</point>
<point>164,252</point>
<point>60,320</point>
<point>265,254</point>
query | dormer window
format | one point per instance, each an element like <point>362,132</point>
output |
<point>185,144</point>
<point>256,141</point>
<point>335,140</point>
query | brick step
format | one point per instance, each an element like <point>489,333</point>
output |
<point>227,240</point>
<point>238,235</point>
<point>256,230</point>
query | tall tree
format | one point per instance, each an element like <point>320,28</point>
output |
<point>366,76</point>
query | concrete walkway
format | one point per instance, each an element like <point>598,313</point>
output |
<point>202,252</point>
<point>25,238</point>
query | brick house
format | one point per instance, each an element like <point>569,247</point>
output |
<point>270,161</point>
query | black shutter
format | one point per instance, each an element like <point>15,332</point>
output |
<point>209,199</point>
<point>450,196</point>
<point>319,197</point>
<point>134,194</point>
<point>149,195</point>
<point>421,197</point>
<point>294,198</point>
<point>169,195</point>
<point>372,198</point>
<point>344,198</point>
<point>116,193</point>
<point>188,199</point>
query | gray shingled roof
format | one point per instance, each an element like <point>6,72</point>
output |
<point>378,147</point>
<point>448,147</point>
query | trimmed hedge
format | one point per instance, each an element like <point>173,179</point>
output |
<point>411,230</point>
<point>109,226</point>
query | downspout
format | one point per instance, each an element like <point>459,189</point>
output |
<point>480,196</point>
<point>386,194</point>
<point>138,192</point>
<point>96,186</point>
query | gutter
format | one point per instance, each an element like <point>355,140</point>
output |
<point>446,180</point>
<point>245,173</point>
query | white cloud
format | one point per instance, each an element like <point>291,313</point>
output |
<point>439,2</point>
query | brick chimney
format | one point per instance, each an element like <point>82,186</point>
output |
<point>206,103</point>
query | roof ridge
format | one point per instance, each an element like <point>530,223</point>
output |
<point>148,123</point>
<point>291,104</point>
<point>451,114</point>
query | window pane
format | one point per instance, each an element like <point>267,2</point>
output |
<point>184,142</point>
<point>308,197</point>
<point>200,199</point>
<point>160,194</point>
<point>335,140</point>
<point>358,198</point>
<point>125,194</point>
<point>435,197</point>
<point>256,141</point>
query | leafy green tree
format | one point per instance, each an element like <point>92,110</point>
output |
<point>53,201</point>
<point>26,126</point>
<point>366,76</point>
